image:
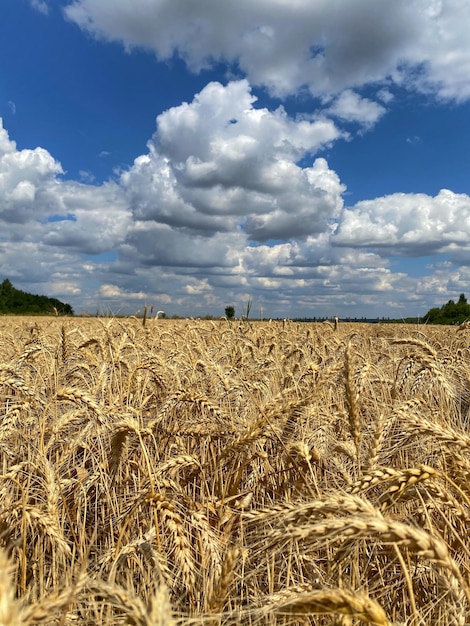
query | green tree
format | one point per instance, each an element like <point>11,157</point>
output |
<point>22,303</point>
<point>450,313</point>
<point>229,312</point>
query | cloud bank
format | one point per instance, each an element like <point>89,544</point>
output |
<point>220,207</point>
<point>286,46</point>
<point>233,200</point>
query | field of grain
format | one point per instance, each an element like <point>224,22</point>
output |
<point>198,472</point>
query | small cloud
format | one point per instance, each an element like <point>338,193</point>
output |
<point>385,95</point>
<point>110,291</point>
<point>199,287</point>
<point>65,287</point>
<point>113,291</point>
<point>413,141</point>
<point>351,107</point>
<point>12,106</point>
<point>40,5</point>
<point>103,154</point>
<point>86,176</point>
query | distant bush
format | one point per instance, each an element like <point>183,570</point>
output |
<point>450,313</point>
<point>17,302</point>
<point>229,312</point>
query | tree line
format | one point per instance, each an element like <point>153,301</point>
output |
<point>16,302</point>
<point>450,313</point>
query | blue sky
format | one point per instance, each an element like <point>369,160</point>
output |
<point>309,156</point>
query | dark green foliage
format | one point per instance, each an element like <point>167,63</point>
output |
<point>17,302</point>
<point>229,312</point>
<point>450,313</point>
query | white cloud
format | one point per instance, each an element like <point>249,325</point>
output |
<point>86,176</point>
<point>39,268</point>
<point>385,95</point>
<point>61,288</point>
<point>6,145</point>
<point>305,208</point>
<point>101,218</point>
<point>411,224</point>
<point>150,244</point>
<point>40,5</point>
<point>189,223</point>
<point>25,179</point>
<point>219,163</point>
<point>413,141</point>
<point>350,107</point>
<point>325,46</point>
<point>113,291</point>
<point>32,196</point>
<point>198,287</point>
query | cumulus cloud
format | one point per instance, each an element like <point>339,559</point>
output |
<point>188,224</point>
<point>411,224</point>
<point>101,218</point>
<point>113,291</point>
<point>218,164</point>
<point>284,45</point>
<point>350,107</point>
<point>40,269</point>
<point>25,178</point>
<point>33,194</point>
<point>230,200</point>
<point>304,210</point>
<point>150,244</point>
<point>6,145</point>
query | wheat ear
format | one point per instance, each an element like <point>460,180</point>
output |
<point>330,601</point>
<point>415,539</point>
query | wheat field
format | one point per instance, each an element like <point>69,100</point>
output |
<point>213,472</point>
